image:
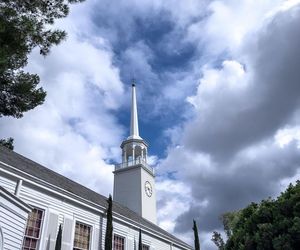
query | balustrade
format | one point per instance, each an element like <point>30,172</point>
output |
<point>138,161</point>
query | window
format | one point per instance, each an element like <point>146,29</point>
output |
<point>82,236</point>
<point>33,229</point>
<point>145,247</point>
<point>119,242</point>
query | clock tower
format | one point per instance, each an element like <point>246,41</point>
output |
<point>134,183</point>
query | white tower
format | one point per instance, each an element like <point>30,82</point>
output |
<point>134,184</point>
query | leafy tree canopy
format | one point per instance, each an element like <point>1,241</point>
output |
<point>8,143</point>
<point>24,25</point>
<point>271,224</point>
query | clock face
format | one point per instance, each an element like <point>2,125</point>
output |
<point>148,188</point>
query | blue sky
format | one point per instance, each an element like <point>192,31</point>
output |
<point>218,101</point>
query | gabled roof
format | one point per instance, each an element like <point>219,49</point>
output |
<point>23,166</point>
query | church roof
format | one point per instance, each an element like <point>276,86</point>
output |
<point>27,168</point>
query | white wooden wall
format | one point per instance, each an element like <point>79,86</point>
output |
<point>12,223</point>
<point>58,210</point>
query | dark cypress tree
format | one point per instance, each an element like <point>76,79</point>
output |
<point>58,239</point>
<point>140,240</point>
<point>109,226</point>
<point>196,237</point>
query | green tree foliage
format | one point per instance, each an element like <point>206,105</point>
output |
<point>218,240</point>
<point>25,25</point>
<point>196,236</point>
<point>140,240</point>
<point>58,239</point>
<point>229,220</point>
<point>109,225</point>
<point>271,224</point>
<point>8,143</point>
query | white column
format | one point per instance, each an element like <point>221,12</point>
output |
<point>125,157</point>
<point>133,154</point>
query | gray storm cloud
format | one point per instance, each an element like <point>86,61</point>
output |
<point>273,60</point>
<point>245,163</point>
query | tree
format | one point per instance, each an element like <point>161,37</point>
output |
<point>270,224</point>
<point>218,240</point>
<point>196,236</point>
<point>8,143</point>
<point>58,239</point>
<point>109,226</point>
<point>140,240</point>
<point>25,25</point>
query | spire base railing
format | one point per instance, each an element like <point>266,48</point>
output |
<point>133,163</point>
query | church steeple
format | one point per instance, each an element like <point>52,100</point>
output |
<point>134,123</point>
<point>134,148</point>
<point>134,183</point>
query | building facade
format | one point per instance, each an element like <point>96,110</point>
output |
<point>35,200</point>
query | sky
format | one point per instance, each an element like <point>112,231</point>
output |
<point>218,101</point>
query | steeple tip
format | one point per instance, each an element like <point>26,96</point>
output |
<point>133,82</point>
<point>134,126</point>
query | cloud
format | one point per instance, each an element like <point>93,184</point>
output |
<point>287,135</point>
<point>238,108</point>
<point>253,175</point>
<point>171,194</point>
<point>217,87</point>
<point>241,144</point>
<point>74,132</point>
<point>148,41</point>
<point>227,24</point>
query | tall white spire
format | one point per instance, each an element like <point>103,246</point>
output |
<point>134,179</point>
<point>134,124</point>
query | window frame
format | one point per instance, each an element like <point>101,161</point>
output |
<point>41,228</point>
<point>121,236</point>
<point>90,235</point>
<point>145,245</point>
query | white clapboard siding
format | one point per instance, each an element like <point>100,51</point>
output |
<point>13,219</point>
<point>61,210</point>
<point>175,248</point>
<point>8,184</point>
<point>130,243</point>
<point>103,231</point>
<point>1,238</point>
<point>60,220</point>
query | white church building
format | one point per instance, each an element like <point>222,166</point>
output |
<point>35,200</point>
